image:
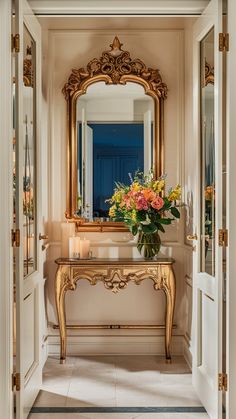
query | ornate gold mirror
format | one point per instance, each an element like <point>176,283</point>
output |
<point>115,127</point>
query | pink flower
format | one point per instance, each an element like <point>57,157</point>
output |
<point>157,203</point>
<point>141,202</point>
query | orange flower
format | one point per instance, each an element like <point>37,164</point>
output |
<point>148,194</point>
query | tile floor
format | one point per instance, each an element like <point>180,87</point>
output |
<point>115,382</point>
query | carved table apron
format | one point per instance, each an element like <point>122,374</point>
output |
<point>115,275</point>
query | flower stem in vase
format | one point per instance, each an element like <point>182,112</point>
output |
<point>148,244</point>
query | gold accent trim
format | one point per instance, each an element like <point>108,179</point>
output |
<point>223,42</point>
<point>15,42</point>
<point>223,238</point>
<point>191,237</point>
<point>16,381</point>
<point>222,382</point>
<point>114,326</point>
<point>115,275</point>
<point>114,64</point>
<point>43,236</point>
<point>114,67</point>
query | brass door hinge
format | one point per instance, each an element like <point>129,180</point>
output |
<point>223,238</point>
<point>222,382</point>
<point>16,381</point>
<point>15,42</point>
<point>223,42</point>
<point>15,238</point>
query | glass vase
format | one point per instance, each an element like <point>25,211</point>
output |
<point>148,245</point>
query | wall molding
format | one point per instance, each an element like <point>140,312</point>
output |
<point>54,39</point>
<point>121,7</point>
<point>115,345</point>
<point>120,244</point>
<point>187,350</point>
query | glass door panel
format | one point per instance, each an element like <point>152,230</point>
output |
<point>29,170</point>
<point>207,155</point>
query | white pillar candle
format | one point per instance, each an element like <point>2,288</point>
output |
<point>67,230</point>
<point>84,248</point>
<point>74,247</point>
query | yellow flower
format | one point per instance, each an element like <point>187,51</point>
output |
<point>117,197</point>
<point>134,216</point>
<point>158,185</point>
<point>175,193</point>
<point>112,211</point>
<point>136,187</point>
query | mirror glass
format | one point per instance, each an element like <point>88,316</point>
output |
<point>29,150</point>
<point>115,126</point>
<point>207,155</point>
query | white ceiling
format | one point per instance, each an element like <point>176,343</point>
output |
<point>130,90</point>
<point>117,23</point>
<point>120,7</point>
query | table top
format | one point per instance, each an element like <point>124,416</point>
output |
<point>118,261</point>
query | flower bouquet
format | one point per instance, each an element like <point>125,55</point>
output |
<point>145,209</point>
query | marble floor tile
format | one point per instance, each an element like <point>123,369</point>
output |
<point>57,416</point>
<point>85,416</point>
<point>50,398</point>
<point>75,400</point>
<point>173,416</point>
<point>117,381</point>
<point>118,416</point>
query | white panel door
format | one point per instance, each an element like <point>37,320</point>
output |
<point>88,159</point>
<point>147,130</point>
<point>27,212</point>
<point>207,269</point>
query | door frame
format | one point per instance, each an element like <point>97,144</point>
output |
<point>231,211</point>
<point>209,284</point>
<point>6,214</point>
<point>6,286</point>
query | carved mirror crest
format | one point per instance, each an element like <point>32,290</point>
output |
<point>115,119</point>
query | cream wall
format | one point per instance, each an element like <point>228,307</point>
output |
<point>67,49</point>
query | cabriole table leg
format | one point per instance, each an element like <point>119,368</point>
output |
<point>61,282</point>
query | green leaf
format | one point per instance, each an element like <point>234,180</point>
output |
<point>165,220</point>
<point>134,230</point>
<point>161,228</point>
<point>141,216</point>
<point>167,204</point>
<point>149,228</point>
<point>175,212</point>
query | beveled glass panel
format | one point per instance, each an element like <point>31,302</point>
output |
<point>29,155</point>
<point>207,155</point>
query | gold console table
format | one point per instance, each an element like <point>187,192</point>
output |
<point>115,275</point>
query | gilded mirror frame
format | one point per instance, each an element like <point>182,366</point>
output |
<point>115,66</point>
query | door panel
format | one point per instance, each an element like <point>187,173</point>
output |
<point>88,167</point>
<point>28,257</point>
<point>207,259</point>
<point>29,154</point>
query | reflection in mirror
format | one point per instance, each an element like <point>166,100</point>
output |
<point>29,181</point>
<point>207,155</point>
<point>115,138</point>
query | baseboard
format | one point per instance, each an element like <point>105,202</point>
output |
<point>44,350</point>
<point>187,351</point>
<point>116,345</point>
